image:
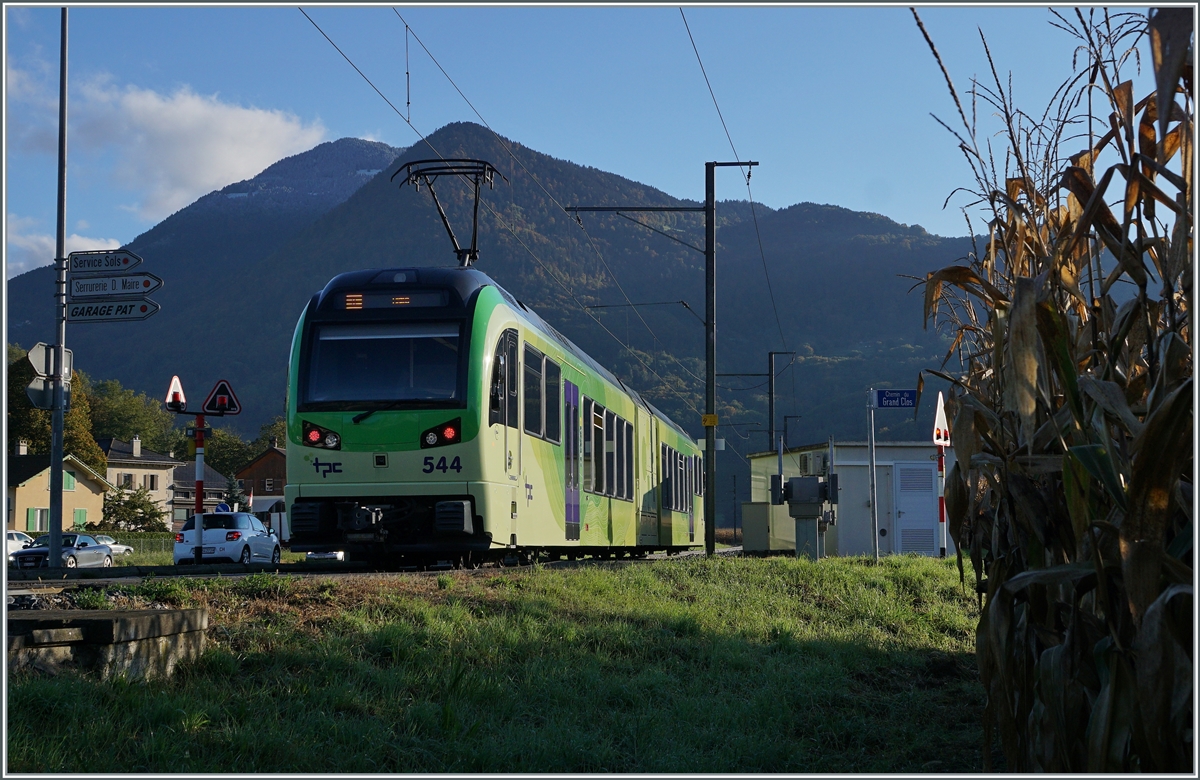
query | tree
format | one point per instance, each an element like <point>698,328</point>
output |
<point>276,429</point>
<point>34,425</point>
<point>120,412</point>
<point>25,421</point>
<point>227,452</point>
<point>234,495</point>
<point>131,511</point>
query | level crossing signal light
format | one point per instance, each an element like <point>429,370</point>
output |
<point>175,401</point>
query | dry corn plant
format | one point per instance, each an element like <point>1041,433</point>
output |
<point>1072,405</point>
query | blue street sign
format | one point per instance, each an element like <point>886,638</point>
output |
<point>895,399</point>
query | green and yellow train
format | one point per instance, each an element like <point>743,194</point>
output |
<point>433,417</point>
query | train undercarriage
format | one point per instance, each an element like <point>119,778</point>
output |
<point>405,531</point>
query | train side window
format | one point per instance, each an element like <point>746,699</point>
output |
<point>689,474</point>
<point>619,475</point>
<point>665,456</point>
<point>600,482</point>
<point>610,472</point>
<point>500,387</point>
<point>553,378</point>
<point>512,381</point>
<point>533,391</point>
<point>629,461</point>
<point>589,466</point>
<point>678,480</point>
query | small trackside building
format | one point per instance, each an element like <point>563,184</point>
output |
<point>906,487</point>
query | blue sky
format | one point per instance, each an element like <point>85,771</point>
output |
<point>169,103</point>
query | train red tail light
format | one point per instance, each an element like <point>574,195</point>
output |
<point>441,435</point>
<point>316,436</point>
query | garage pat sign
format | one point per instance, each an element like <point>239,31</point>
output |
<point>100,287</point>
<point>112,311</point>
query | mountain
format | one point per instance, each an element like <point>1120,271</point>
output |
<point>203,253</point>
<point>240,264</point>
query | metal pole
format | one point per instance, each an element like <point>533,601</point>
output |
<point>199,515</point>
<point>710,356</point>
<point>871,470</point>
<point>771,396</point>
<point>58,407</point>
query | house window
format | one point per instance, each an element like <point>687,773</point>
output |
<point>150,481</point>
<point>270,485</point>
<point>68,480</point>
<point>80,518</point>
<point>127,481</point>
<point>241,483</point>
<point>37,520</point>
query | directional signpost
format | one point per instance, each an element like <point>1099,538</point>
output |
<point>111,311</point>
<point>107,286</point>
<point>102,289</point>
<point>882,399</point>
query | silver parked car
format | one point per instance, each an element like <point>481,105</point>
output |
<point>228,536</point>
<point>78,550</point>
<point>116,547</point>
<point>18,540</point>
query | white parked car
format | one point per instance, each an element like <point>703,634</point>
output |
<point>237,537</point>
<point>18,541</point>
<point>117,549</point>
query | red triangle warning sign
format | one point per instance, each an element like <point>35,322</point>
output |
<point>221,400</point>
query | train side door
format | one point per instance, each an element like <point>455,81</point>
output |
<point>571,425</point>
<point>644,493</point>
<point>505,409</point>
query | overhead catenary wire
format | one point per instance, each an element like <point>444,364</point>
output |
<point>749,194</point>
<point>496,215</point>
<point>554,200</point>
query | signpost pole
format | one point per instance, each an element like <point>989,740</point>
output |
<point>58,413</point>
<point>199,516</point>
<point>871,470</point>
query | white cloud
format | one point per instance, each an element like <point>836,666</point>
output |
<point>32,110</point>
<point>172,149</point>
<point>27,249</point>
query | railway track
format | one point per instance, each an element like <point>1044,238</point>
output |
<point>24,584</point>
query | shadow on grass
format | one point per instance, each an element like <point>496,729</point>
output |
<point>624,696</point>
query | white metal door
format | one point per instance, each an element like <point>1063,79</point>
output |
<point>916,508</point>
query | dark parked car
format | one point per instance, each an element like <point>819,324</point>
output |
<point>77,550</point>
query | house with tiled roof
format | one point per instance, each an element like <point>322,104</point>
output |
<point>183,503</point>
<point>131,466</point>
<point>28,494</point>
<point>264,477</point>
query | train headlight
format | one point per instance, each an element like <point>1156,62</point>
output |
<point>441,435</point>
<point>316,436</point>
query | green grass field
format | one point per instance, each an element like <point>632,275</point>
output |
<point>725,665</point>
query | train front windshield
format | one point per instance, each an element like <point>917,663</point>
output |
<point>383,362</point>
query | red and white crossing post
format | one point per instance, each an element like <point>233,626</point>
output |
<point>941,437</point>
<point>220,402</point>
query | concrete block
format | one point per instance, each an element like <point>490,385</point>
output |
<point>135,643</point>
